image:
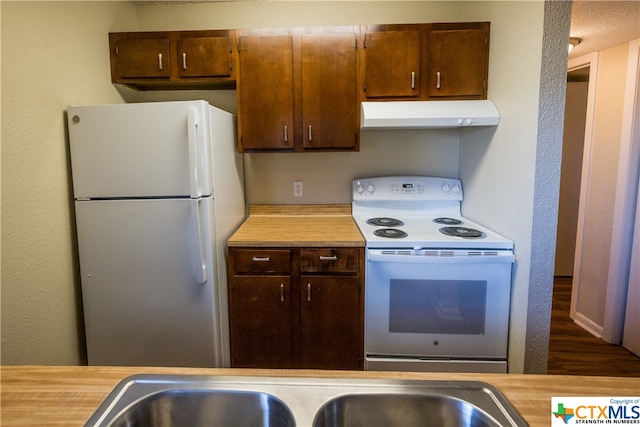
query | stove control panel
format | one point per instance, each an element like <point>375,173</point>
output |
<point>407,188</point>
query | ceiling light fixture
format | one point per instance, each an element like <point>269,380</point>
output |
<point>573,42</point>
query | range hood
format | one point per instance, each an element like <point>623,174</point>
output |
<point>427,114</point>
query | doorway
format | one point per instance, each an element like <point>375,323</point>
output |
<point>574,177</point>
<point>601,274</point>
<point>571,170</point>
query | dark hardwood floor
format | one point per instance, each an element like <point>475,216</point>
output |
<point>574,351</point>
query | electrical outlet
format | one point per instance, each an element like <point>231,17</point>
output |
<point>297,188</point>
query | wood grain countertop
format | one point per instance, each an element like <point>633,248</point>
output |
<point>298,226</point>
<point>68,395</point>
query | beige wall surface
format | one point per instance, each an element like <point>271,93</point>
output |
<point>53,54</point>
<point>63,49</point>
<point>602,181</point>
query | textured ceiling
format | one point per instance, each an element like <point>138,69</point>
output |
<point>603,24</point>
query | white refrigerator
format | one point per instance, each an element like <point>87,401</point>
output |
<point>158,189</point>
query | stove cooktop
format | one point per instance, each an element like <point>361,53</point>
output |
<point>423,232</point>
<point>417,212</point>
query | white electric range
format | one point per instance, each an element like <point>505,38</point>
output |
<point>438,285</point>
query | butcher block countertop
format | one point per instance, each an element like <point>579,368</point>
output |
<point>298,226</point>
<point>68,395</point>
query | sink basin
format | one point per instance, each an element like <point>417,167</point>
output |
<point>402,410</point>
<point>229,401</point>
<point>180,407</point>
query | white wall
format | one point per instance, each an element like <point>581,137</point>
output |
<point>67,62</point>
<point>53,55</point>
<point>590,282</point>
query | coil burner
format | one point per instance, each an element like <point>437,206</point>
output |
<point>391,233</point>
<point>385,222</point>
<point>447,221</point>
<point>467,233</point>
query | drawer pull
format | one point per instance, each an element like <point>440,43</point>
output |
<point>309,292</point>
<point>160,65</point>
<point>281,292</point>
<point>261,259</point>
<point>413,80</point>
<point>328,258</point>
<point>438,80</point>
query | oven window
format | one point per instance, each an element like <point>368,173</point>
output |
<point>437,306</point>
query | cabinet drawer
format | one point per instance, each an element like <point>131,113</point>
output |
<point>256,261</point>
<point>330,260</point>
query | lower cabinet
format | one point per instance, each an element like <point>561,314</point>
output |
<point>261,322</point>
<point>296,307</point>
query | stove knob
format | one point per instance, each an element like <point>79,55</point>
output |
<point>371,188</point>
<point>456,188</point>
<point>359,188</point>
<point>446,187</point>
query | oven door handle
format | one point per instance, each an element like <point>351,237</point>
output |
<point>420,258</point>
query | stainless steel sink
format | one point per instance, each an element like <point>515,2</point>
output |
<point>402,410</point>
<point>180,407</point>
<point>162,400</point>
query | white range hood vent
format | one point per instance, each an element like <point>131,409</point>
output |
<point>427,114</point>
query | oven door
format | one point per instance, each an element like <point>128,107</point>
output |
<point>437,304</point>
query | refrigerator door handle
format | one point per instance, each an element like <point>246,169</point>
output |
<point>192,141</point>
<point>201,254</point>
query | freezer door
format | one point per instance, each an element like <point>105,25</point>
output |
<point>157,149</point>
<point>149,282</point>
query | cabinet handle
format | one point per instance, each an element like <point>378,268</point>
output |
<point>160,67</point>
<point>310,136</point>
<point>184,60</point>
<point>281,292</point>
<point>328,258</point>
<point>286,134</point>
<point>309,292</point>
<point>261,259</point>
<point>413,80</point>
<point>438,80</point>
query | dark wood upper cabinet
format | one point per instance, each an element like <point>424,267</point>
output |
<point>265,93</point>
<point>204,57</point>
<point>329,91</point>
<point>143,58</point>
<point>173,59</point>
<point>459,61</point>
<point>392,64</point>
<point>298,90</point>
<point>426,61</point>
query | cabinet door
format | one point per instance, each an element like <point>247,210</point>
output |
<point>143,58</point>
<point>331,322</point>
<point>260,321</point>
<point>204,57</point>
<point>392,64</point>
<point>265,93</point>
<point>458,63</point>
<point>329,91</point>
